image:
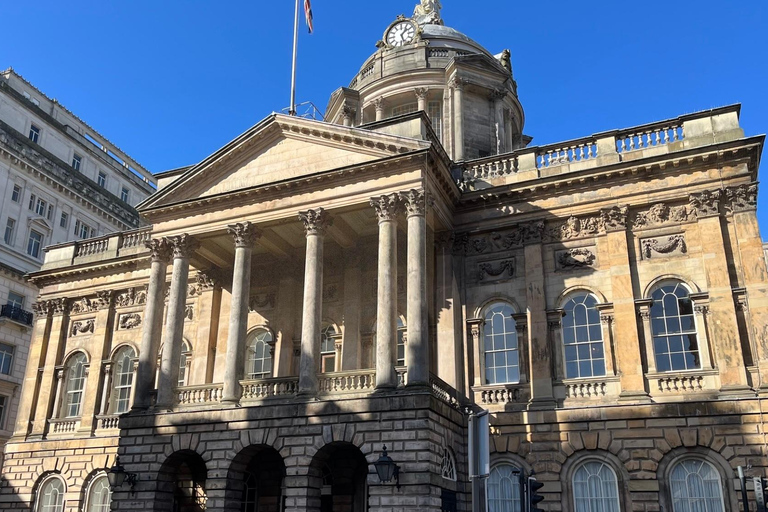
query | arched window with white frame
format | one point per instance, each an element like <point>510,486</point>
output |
<point>401,341</point>
<point>50,495</point>
<point>695,486</point>
<point>504,488</point>
<point>448,465</point>
<point>99,495</point>
<point>501,350</point>
<point>595,488</point>
<point>122,383</point>
<point>75,373</point>
<point>583,347</point>
<point>258,360</point>
<point>328,337</point>
<point>673,328</point>
<point>185,360</point>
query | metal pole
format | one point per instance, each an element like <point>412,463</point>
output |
<point>292,110</point>
<point>744,496</point>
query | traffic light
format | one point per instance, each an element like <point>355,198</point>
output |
<point>534,498</point>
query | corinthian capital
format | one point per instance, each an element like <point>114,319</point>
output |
<point>741,198</point>
<point>159,248</point>
<point>244,233</point>
<point>379,104</point>
<point>183,245</point>
<point>415,202</point>
<point>315,221</point>
<point>387,207</point>
<point>421,93</point>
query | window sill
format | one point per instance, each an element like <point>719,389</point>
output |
<point>13,323</point>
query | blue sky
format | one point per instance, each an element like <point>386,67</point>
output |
<point>171,81</point>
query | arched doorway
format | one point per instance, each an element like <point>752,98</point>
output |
<point>181,483</point>
<point>338,475</point>
<point>255,480</point>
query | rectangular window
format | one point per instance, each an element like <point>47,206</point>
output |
<point>32,201</point>
<point>34,133</point>
<point>4,402</point>
<point>34,244</point>
<point>77,160</point>
<point>40,207</point>
<point>83,230</point>
<point>16,300</point>
<point>50,212</point>
<point>64,220</point>
<point>10,229</point>
<point>6,358</point>
<point>125,194</point>
<point>102,180</point>
<point>16,194</point>
<point>405,109</point>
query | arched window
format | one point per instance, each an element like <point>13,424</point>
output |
<point>184,360</point>
<point>673,328</point>
<point>50,496</point>
<point>695,486</point>
<point>123,380</point>
<point>582,338</point>
<point>595,488</point>
<point>328,338</point>
<point>258,364</point>
<point>99,495</point>
<point>75,374</point>
<point>504,489</point>
<point>502,356</point>
<point>448,465</point>
<point>401,340</point>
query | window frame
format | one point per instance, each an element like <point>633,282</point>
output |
<point>9,235</point>
<point>64,220</point>
<point>16,303</point>
<point>77,162</point>
<point>16,193</point>
<point>61,498</point>
<point>516,502</point>
<point>118,387</point>
<point>520,328</point>
<point>6,358</point>
<point>101,179</point>
<point>5,402</point>
<point>259,335</point>
<point>581,465</point>
<point>328,355</point>
<point>125,194</point>
<point>99,478</point>
<point>563,313</point>
<point>81,359</point>
<point>32,249</point>
<point>34,133</point>
<point>185,363</point>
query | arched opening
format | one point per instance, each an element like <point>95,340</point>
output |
<point>338,476</point>
<point>181,483</point>
<point>255,480</point>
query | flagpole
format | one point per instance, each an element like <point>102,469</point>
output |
<point>292,110</point>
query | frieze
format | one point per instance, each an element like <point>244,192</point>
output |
<point>741,198</point>
<point>498,270</point>
<point>82,327</point>
<point>129,321</point>
<point>575,259</point>
<point>660,214</point>
<point>131,297</point>
<point>83,305</point>
<point>532,232</point>
<point>663,246</point>
<point>262,301</point>
<point>707,203</point>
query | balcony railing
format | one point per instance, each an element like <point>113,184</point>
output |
<point>16,314</point>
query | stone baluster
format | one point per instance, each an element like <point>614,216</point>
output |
<point>153,323</point>
<point>315,224</point>
<point>245,235</point>
<point>387,207</point>
<point>183,246</point>
<point>417,348</point>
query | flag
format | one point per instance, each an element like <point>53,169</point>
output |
<point>308,14</point>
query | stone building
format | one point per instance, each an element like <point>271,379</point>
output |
<point>62,181</point>
<point>314,291</point>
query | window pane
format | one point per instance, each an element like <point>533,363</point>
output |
<point>500,345</point>
<point>595,488</point>
<point>99,496</point>
<point>695,486</point>
<point>504,489</point>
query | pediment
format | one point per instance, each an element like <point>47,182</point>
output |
<point>278,150</point>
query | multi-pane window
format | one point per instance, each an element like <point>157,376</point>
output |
<point>50,497</point>
<point>64,219</point>
<point>328,349</point>
<point>16,300</point>
<point>77,161</point>
<point>6,358</point>
<point>695,485</point>
<point>99,495</point>
<point>435,113</point>
<point>504,489</point>
<point>49,216</point>
<point>401,339</point>
<point>102,179</point>
<point>32,199</point>
<point>34,244</point>
<point>123,380</point>
<point>75,375</point>
<point>258,364</point>
<point>184,359</point>
<point>34,133</point>
<point>405,109</point>
<point>673,328</point>
<point>500,346</point>
<point>40,206</point>
<point>10,230</point>
<point>448,465</point>
<point>83,230</point>
<point>16,194</point>
<point>583,338</point>
<point>4,402</point>
<point>595,488</point>
<point>125,194</point>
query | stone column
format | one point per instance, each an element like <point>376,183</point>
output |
<point>497,97</point>
<point>315,224</point>
<point>379,105</point>
<point>458,120</point>
<point>153,323</point>
<point>102,340</point>
<point>421,97</point>
<point>348,115</point>
<point>57,397</point>
<point>245,235</point>
<point>555,327</point>
<point>417,348</point>
<point>387,207</point>
<point>183,246</point>
<point>353,353</point>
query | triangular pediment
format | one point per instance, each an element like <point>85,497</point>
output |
<point>279,150</point>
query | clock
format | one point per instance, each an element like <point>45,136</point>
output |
<point>401,33</point>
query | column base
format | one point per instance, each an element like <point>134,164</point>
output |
<point>230,402</point>
<point>634,396</point>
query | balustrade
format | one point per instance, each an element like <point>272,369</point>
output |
<point>108,422</point>
<point>444,391</point>
<point>91,247</point>
<point>575,151</point>
<point>502,165</point>
<point>347,382</point>
<point>135,239</point>
<point>258,389</point>
<point>648,137</point>
<point>64,426</point>
<point>200,394</point>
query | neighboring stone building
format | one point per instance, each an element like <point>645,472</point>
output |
<point>62,181</point>
<point>313,291</point>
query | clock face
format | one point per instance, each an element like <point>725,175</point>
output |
<point>400,34</point>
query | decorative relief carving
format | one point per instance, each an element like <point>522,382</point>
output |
<point>244,233</point>
<point>577,228</point>
<point>415,202</point>
<point>82,327</point>
<point>660,214</point>
<point>159,249</point>
<point>262,301</point>
<point>104,299</point>
<point>614,218</point>
<point>741,198</point>
<point>189,312</point>
<point>387,207</point>
<point>129,321</point>
<point>131,297</point>
<point>52,306</point>
<point>183,245</point>
<point>315,221</point>
<point>572,259</point>
<point>667,246</point>
<point>496,270</point>
<point>83,305</point>
<point>532,232</point>
<point>707,203</point>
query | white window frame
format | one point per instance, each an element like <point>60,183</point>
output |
<point>34,246</point>
<point>77,162</point>
<point>260,338</point>
<point>7,353</point>
<point>507,352</point>
<point>12,299</point>
<point>47,506</point>
<point>76,372</point>
<point>667,336</point>
<point>328,335</point>
<point>10,231</point>
<point>407,108</point>
<point>719,487</point>
<point>101,179</point>
<point>34,133</point>
<point>41,206</point>
<point>64,220</point>
<point>16,193</point>
<point>122,381</point>
<point>97,484</point>
<point>125,194</point>
<point>601,503</point>
<point>584,347</point>
<point>504,503</point>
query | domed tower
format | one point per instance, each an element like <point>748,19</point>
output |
<point>468,93</point>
